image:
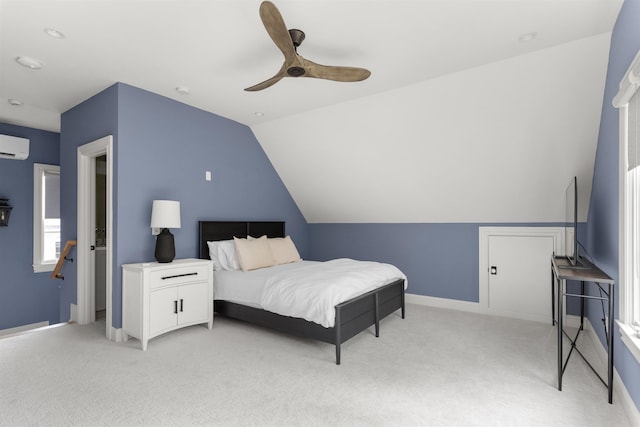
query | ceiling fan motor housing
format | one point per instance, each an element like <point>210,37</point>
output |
<point>297,36</point>
<point>295,71</point>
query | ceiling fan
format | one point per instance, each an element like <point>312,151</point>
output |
<point>295,65</point>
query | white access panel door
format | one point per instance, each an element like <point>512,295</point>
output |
<point>519,276</point>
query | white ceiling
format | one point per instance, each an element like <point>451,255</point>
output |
<point>424,55</point>
<point>217,48</point>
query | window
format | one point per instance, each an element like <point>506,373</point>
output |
<point>628,101</point>
<point>46,217</point>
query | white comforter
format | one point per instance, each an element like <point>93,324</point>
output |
<point>313,291</point>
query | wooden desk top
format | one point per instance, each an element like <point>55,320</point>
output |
<point>588,273</point>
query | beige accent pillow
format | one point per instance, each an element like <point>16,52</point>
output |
<point>283,250</point>
<point>254,253</point>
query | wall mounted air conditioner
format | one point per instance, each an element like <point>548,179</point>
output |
<point>13,147</point>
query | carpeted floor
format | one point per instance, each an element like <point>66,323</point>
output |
<point>435,368</point>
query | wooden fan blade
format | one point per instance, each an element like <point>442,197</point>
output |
<point>277,29</point>
<point>269,82</point>
<point>339,74</point>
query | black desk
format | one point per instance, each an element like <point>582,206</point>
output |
<point>561,271</point>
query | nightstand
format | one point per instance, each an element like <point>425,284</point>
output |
<point>161,297</point>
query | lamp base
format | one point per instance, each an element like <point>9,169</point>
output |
<point>165,247</point>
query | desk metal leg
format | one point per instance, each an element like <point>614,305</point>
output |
<point>553,297</point>
<point>559,323</point>
<point>582,306</point>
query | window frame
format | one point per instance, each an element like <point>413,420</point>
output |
<point>629,200</point>
<point>39,169</point>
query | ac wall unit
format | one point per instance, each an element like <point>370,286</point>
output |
<point>13,147</point>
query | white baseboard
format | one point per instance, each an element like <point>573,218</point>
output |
<point>474,307</point>
<point>450,304</point>
<point>19,329</point>
<point>620,392</point>
<point>73,313</point>
<point>115,334</point>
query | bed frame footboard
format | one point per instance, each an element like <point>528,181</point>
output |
<point>352,316</point>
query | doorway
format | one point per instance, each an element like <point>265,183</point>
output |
<point>95,230</point>
<point>100,239</point>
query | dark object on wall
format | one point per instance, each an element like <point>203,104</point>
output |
<point>165,246</point>
<point>5,211</point>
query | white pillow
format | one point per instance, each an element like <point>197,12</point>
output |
<point>213,254</point>
<point>223,255</point>
<point>227,255</point>
<point>254,253</point>
<point>283,250</point>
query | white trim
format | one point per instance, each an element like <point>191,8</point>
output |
<point>86,160</point>
<point>73,313</point>
<point>628,87</point>
<point>629,83</point>
<point>470,307</point>
<point>620,391</point>
<point>116,334</point>
<point>450,304</point>
<point>630,338</point>
<point>625,297</point>
<point>556,233</point>
<point>23,328</point>
<point>38,233</point>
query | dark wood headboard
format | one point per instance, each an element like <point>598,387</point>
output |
<point>210,231</point>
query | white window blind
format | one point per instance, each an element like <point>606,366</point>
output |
<point>46,216</point>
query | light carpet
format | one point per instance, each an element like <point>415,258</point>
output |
<point>435,368</point>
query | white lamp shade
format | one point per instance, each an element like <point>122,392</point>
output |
<point>165,214</point>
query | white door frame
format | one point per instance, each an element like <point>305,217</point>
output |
<point>85,235</point>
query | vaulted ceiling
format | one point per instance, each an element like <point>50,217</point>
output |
<point>476,111</point>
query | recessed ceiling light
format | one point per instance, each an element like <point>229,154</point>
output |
<point>54,33</point>
<point>16,102</point>
<point>527,37</point>
<point>258,114</point>
<point>183,90</point>
<point>28,62</point>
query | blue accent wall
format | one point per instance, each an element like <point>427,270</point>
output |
<point>602,225</point>
<point>25,297</point>
<point>440,259</point>
<point>91,120</point>
<point>162,150</point>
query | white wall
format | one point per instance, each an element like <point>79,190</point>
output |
<point>496,143</point>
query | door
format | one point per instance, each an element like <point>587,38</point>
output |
<point>85,312</point>
<point>193,308</point>
<point>163,310</point>
<point>100,237</point>
<point>519,276</point>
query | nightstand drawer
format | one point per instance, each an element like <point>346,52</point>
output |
<point>178,275</point>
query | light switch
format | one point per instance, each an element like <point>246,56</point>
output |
<point>207,175</point>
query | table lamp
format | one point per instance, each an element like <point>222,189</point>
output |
<point>165,214</point>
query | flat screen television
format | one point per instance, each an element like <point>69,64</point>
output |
<point>571,222</point>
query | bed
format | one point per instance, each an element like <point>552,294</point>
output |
<point>351,317</point>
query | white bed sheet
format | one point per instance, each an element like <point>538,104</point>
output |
<point>245,287</point>
<point>306,289</point>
